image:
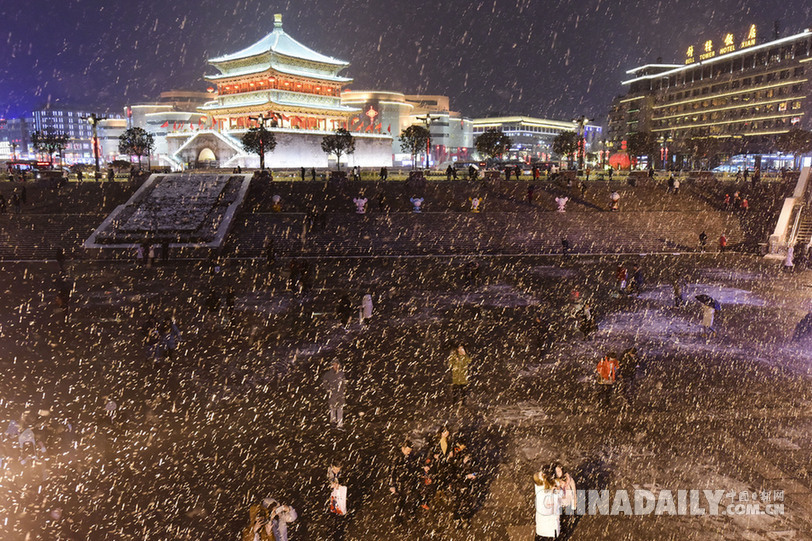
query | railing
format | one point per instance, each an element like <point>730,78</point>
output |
<point>786,229</point>
<point>793,234</point>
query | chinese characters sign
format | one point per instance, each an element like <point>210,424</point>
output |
<point>728,46</point>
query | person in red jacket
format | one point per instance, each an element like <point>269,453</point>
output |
<point>608,368</point>
<point>722,243</point>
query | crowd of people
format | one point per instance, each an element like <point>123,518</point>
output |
<point>444,473</point>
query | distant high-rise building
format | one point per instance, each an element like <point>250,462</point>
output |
<point>73,123</point>
<point>15,137</point>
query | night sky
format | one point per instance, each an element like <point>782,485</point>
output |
<point>542,58</point>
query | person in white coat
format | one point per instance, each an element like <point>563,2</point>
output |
<point>708,313</point>
<point>281,516</point>
<point>548,508</point>
<point>366,308</point>
<point>789,262</point>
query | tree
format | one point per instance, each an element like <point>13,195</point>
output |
<point>136,141</point>
<point>702,150</point>
<point>643,143</point>
<point>50,142</point>
<point>492,143</point>
<point>339,143</point>
<point>414,140</point>
<point>259,141</point>
<point>796,142</point>
<point>120,165</point>
<point>566,144</point>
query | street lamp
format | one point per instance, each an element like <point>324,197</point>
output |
<point>581,121</point>
<point>93,120</point>
<point>261,121</point>
<point>427,120</point>
<point>664,150</point>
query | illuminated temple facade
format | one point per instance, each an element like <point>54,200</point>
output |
<point>296,92</point>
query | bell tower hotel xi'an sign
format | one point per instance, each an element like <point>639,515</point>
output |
<point>727,45</point>
<point>295,91</point>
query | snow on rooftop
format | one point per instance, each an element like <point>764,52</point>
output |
<point>280,43</point>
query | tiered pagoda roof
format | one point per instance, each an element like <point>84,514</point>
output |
<point>282,53</point>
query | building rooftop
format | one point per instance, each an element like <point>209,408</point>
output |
<point>278,42</point>
<point>495,121</point>
<point>216,106</point>
<point>286,69</point>
<point>722,57</point>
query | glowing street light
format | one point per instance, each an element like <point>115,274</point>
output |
<point>427,120</point>
<point>93,120</point>
<point>581,121</point>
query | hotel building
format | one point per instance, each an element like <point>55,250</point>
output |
<point>736,90</point>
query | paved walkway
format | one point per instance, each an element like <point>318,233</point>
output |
<point>239,416</point>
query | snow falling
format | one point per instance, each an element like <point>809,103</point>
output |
<point>209,395</point>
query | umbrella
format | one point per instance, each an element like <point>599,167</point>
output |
<point>709,301</point>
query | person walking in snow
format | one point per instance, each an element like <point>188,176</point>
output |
<point>628,364</point>
<point>366,309</point>
<point>586,323</point>
<point>346,311</point>
<point>458,363</point>
<point>337,504</point>
<point>334,383</point>
<point>548,508</point>
<point>621,274</point>
<point>679,300</point>
<point>466,484</point>
<point>789,261</point>
<point>708,314</point>
<point>608,368</point>
<point>280,517</point>
<point>565,485</point>
<point>403,479</point>
<point>636,283</point>
<point>170,339</point>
